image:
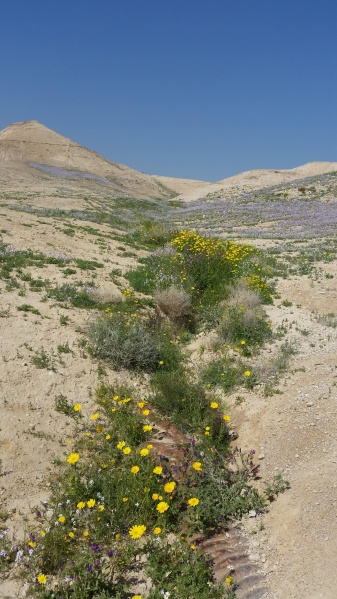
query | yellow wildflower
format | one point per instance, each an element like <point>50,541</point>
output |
<point>169,487</point>
<point>77,407</point>
<point>81,505</point>
<point>214,405</point>
<point>73,458</point>
<point>162,507</point>
<point>197,466</point>
<point>157,470</point>
<point>157,530</point>
<point>144,452</point>
<point>193,501</point>
<point>42,579</point>
<point>91,503</point>
<point>226,418</point>
<point>94,416</point>
<point>134,469</point>
<point>61,519</point>
<point>127,450</point>
<point>137,531</point>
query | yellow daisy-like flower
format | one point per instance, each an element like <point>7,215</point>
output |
<point>137,531</point>
<point>94,416</point>
<point>144,452</point>
<point>169,487</point>
<point>228,581</point>
<point>193,547</point>
<point>127,450</point>
<point>141,404</point>
<point>42,532</point>
<point>71,535</point>
<point>136,597</point>
<point>162,507</point>
<point>42,579</point>
<point>193,501</point>
<point>134,469</point>
<point>243,342</point>
<point>197,466</point>
<point>108,437</point>
<point>77,407</point>
<point>157,470</point>
<point>32,544</point>
<point>121,444</point>
<point>91,503</point>
<point>113,409</point>
<point>157,530</point>
<point>150,446</point>
<point>226,418</point>
<point>86,533</point>
<point>81,505</point>
<point>73,458</point>
<point>146,412</point>
<point>214,405</point>
<point>101,508</point>
<point>155,496</point>
<point>161,362</point>
<point>115,397</point>
<point>206,433</point>
<point>147,428</point>
<point>247,373</point>
<point>125,499</point>
<point>61,519</point>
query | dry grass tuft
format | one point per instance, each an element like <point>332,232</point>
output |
<point>175,304</point>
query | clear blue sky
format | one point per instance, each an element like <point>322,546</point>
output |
<point>187,88</point>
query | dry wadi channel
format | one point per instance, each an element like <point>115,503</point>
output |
<point>293,431</point>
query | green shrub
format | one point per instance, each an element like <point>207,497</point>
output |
<point>184,402</point>
<point>130,342</point>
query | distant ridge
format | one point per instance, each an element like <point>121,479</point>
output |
<point>256,179</point>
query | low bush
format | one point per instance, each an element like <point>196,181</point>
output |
<point>176,305</point>
<point>244,320</point>
<point>130,341</point>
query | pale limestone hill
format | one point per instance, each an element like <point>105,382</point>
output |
<point>29,148</point>
<point>257,179</point>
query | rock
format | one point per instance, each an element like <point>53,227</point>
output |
<point>255,557</point>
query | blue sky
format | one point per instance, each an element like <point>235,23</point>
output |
<point>186,88</point>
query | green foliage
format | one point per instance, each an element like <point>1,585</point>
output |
<point>128,341</point>
<point>41,359</point>
<point>88,264</point>
<point>28,308</point>
<point>180,399</point>
<point>77,295</point>
<point>180,571</point>
<point>238,324</point>
<point>226,373</point>
<point>276,486</point>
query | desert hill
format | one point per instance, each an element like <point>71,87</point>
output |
<point>29,147</point>
<point>257,179</point>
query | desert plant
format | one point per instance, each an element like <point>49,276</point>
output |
<point>176,305</point>
<point>128,342</point>
<point>244,319</point>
